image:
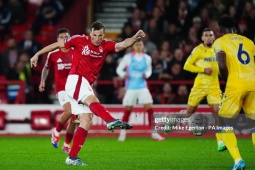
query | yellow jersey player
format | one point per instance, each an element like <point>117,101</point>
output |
<point>236,63</point>
<point>203,62</point>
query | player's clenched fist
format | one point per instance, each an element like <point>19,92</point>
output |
<point>139,34</point>
<point>208,71</point>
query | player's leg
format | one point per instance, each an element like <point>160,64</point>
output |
<point>125,118</point>
<point>249,109</point>
<point>80,134</point>
<point>195,97</point>
<point>218,135</point>
<point>79,138</point>
<point>213,100</point>
<point>79,88</point>
<point>129,101</point>
<point>230,107</point>
<point>145,99</point>
<point>64,102</point>
<point>69,136</point>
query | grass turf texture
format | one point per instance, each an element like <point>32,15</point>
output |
<point>197,153</point>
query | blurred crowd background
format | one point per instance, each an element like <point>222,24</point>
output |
<point>173,28</point>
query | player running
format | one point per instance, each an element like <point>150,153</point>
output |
<point>236,63</point>
<point>202,61</point>
<point>60,60</point>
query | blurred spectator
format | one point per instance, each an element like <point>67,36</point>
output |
<point>48,13</point>
<point>251,23</point>
<point>5,19</point>
<point>243,29</point>
<point>182,12</point>
<point>205,18</point>
<point>9,57</point>
<point>176,72</point>
<point>127,31</point>
<point>135,20</point>
<point>149,46</point>
<point>192,36</point>
<point>212,10</point>
<point>178,57</point>
<point>187,47</point>
<point>165,52</point>
<point>182,95</point>
<point>232,12</point>
<point>21,71</point>
<point>29,44</point>
<point>196,24</point>
<point>173,36</point>
<point>153,32</point>
<point>248,6</point>
<point>158,65</point>
<point>166,97</point>
<point>18,10</point>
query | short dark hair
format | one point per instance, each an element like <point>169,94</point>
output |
<point>97,25</point>
<point>226,22</point>
<point>206,29</point>
<point>63,30</point>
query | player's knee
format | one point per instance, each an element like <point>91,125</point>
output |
<point>86,121</point>
<point>89,99</point>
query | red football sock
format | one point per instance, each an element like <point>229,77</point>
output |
<point>100,111</point>
<point>126,115</point>
<point>150,116</point>
<point>59,126</point>
<point>79,138</point>
<point>69,137</point>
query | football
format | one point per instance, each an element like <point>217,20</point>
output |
<point>198,124</point>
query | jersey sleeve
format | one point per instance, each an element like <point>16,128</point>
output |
<point>125,61</point>
<point>110,46</point>
<point>190,63</point>
<point>71,41</point>
<point>148,66</point>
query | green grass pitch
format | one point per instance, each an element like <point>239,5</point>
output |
<point>136,153</point>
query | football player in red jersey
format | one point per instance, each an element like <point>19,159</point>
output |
<point>60,60</point>
<point>89,55</point>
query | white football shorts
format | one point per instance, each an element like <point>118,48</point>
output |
<point>133,97</point>
<point>78,88</point>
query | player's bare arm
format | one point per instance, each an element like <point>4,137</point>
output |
<point>44,76</point>
<point>51,47</point>
<point>222,65</point>
<point>129,41</point>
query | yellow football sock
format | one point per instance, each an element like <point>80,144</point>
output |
<point>230,141</point>
<point>253,139</point>
<point>218,137</point>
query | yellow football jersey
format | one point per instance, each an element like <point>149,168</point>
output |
<point>200,58</point>
<point>240,53</point>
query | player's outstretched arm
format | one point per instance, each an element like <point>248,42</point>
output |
<point>222,65</point>
<point>51,47</point>
<point>129,41</point>
<point>44,76</point>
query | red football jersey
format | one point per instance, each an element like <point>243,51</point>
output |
<point>61,62</point>
<point>88,59</point>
